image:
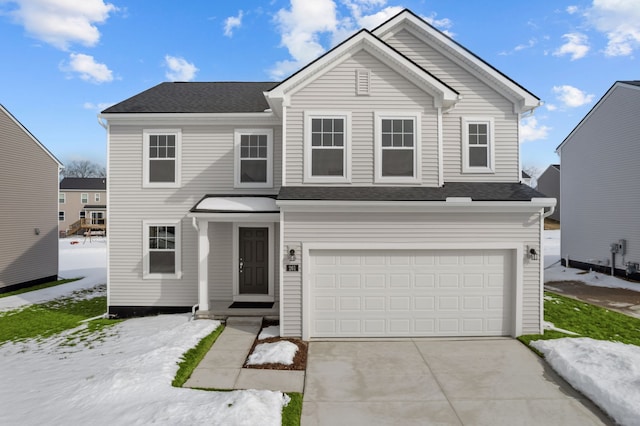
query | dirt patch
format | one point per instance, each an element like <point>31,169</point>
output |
<point>550,224</point>
<point>615,299</point>
<point>299,360</point>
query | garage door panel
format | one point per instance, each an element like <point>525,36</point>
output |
<point>409,293</point>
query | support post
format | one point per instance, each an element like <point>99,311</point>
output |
<point>203,265</point>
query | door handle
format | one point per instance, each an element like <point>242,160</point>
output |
<point>241,265</point>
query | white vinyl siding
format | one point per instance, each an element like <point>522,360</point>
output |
<point>478,99</point>
<point>207,165</point>
<point>599,178</point>
<point>335,90</point>
<point>404,228</point>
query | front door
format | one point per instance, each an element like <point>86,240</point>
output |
<point>254,260</point>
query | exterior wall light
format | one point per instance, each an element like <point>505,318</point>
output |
<point>292,255</point>
<point>532,253</point>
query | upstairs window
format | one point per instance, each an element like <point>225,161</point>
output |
<point>477,145</point>
<point>254,158</point>
<point>161,158</point>
<point>397,148</point>
<point>327,147</point>
<point>61,216</point>
<point>161,249</point>
<point>84,198</point>
<point>97,197</point>
<point>62,198</point>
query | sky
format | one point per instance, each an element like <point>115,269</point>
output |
<point>63,61</point>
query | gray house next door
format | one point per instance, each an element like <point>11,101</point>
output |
<point>254,261</point>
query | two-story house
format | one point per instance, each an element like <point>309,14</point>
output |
<point>375,192</point>
<point>83,204</point>
<point>28,222</point>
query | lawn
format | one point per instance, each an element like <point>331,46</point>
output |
<point>37,287</point>
<point>586,321</point>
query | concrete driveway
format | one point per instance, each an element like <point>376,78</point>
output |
<point>447,382</point>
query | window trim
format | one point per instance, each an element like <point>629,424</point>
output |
<point>308,148</point>
<point>416,116</point>
<point>84,198</point>
<point>62,198</point>
<point>490,168</point>
<point>146,224</point>
<point>61,216</point>
<point>146,133</point>
<point>96,197</point>
<point>237,134</point>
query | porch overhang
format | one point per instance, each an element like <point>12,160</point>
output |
<point>231,208</point>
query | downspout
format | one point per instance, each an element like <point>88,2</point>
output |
<point>194,308</point>
<point>440,150</point>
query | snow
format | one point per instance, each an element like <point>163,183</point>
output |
<point>608,373</point>
<point>273,353</point>
<point>554,271</point>
<point>269,332</point>
<point>122,374</point>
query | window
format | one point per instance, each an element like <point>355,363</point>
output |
<point>61,216</point>
<point>83,214</point>
<point>97,218</point>
<point>254,153</point>
<point>62,198</point>
<point>97,197</point>
<point>161,158</point>
<point>327,147</point>
<point>162,249</point>
<point>84,198</point>
<point>398,150</point>
<point>477,145</point>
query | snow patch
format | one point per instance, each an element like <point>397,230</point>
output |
<point>273,353</point>
<point>269,332</point>
<point>551,326</point>
<point>606,372</point>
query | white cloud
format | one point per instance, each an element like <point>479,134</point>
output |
<point>619,20</point>
<point>572,97</point>
<point>572,9</point>
<point>231,23</point>
<point>443,24</point>
<point>100,106</point>
<point>63,22</point>
<point>87,68</point>
<point>577,46</point>
<point>531,130</point>
<point>179,69</point>
<point>550,107</point>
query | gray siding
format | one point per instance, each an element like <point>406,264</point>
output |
<point>599,181</point>
<point>300,228</point>
<point>549,185</point>
<point>29,193</point>
<point>336,91</point>
<point>207,168</point>
<point>478,100</point>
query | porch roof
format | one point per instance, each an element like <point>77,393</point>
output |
<point>212,203</point>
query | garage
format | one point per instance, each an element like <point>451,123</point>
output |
<point>402,293</point>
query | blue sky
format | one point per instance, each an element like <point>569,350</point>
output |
<point>65,60</point>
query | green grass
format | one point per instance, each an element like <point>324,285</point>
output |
<point>37,287</point>
<point>46,319</point>
<point>193,356</point>
<point>293,411</point>
<point>587,321</point>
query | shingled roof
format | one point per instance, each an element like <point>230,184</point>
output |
<point>477,191</point>
<point>197,97</point>
<point>95,184</point>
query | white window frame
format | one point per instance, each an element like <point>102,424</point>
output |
<point>61,217</point>
<point>146,133</point>
<point>62,198</point>
<point>238,133</point>
<point>417,146</point>
<point>96,197</point>
<point>466,121</point>
<point>84,198</point>
<point>82,214</point>
<point>308,149</point>
<point>146,224</point>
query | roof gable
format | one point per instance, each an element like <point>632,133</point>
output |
<point>406,20</point>
<point>30,135</point>
<point>443,94</point>
<point>632,85</point>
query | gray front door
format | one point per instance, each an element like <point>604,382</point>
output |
<point>254,260</point>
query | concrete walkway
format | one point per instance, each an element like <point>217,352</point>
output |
<point>430,381</point>
<point>222,368</point>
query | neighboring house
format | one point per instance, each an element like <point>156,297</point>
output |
<point>28,222</point>
<point>549,185</point>
<point>599,185</point>
<point>376,192</point>
<point>83,204</point>
<point>525,178</point>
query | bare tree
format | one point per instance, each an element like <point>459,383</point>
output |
<point>84,169</point>
<point>532,171</point>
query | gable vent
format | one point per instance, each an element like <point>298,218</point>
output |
<point>363,82</point>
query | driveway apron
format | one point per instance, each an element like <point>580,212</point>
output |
<point>434,381</point>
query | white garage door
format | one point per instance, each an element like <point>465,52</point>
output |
<point>394,293</point>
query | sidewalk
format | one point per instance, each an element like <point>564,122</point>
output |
<point>222,368</point>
